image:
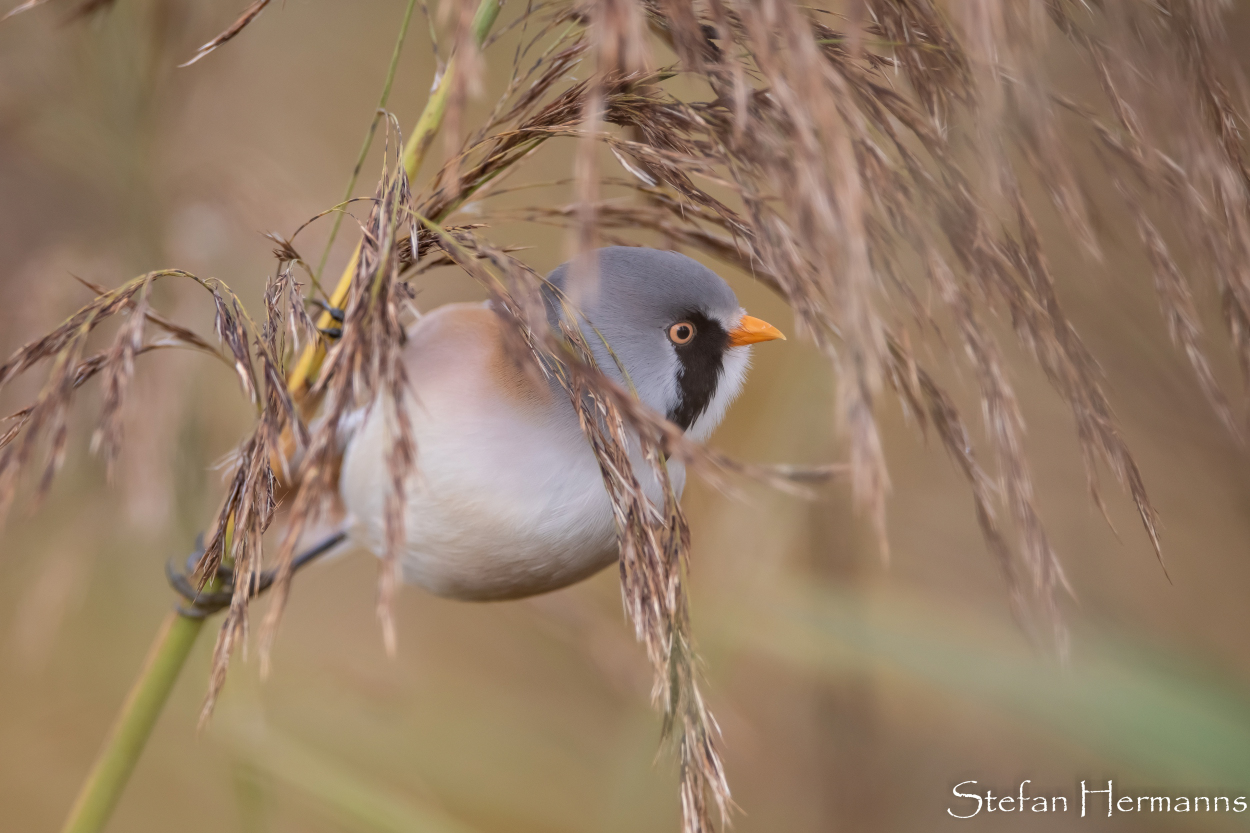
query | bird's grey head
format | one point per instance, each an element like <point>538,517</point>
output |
<point>668,320</point>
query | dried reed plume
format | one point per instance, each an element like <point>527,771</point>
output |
<point>855,164</point>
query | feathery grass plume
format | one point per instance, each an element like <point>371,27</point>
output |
<point>284,292</point>
<point>64,349</point>
<point>254,353</point>
<point>654,556</point>
<point>853,196</point>
<point>362,370</point>
<point>119,367</point>
<point>250,503</point>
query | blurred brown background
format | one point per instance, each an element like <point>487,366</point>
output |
<point>852,695</point>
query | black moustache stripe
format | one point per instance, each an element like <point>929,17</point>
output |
<point>702,362</point>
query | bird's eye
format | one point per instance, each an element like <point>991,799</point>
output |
<point>681,332</point>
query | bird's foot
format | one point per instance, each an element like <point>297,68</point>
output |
<point>336,314</point>
<point>201,603</point>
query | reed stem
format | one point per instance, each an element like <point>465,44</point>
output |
<point>414,153</point>
<point>107,780</point>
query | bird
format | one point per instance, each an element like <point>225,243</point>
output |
<point>506,499</point>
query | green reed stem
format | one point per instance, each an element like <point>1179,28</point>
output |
<point>108,777</point>
<point>431,119</point>
<point>107,780</point>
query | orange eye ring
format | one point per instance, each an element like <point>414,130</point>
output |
<point>681,333</point>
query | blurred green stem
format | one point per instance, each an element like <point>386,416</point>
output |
<point>104,785</point>
<point>373,128</point>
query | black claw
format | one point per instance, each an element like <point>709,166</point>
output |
<point>334,312</point>
<point>331,332</point>
<point>201,604</point>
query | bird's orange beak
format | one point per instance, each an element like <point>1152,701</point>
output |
<point>751,330</point>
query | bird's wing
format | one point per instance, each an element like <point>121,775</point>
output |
<point>465,351</point>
